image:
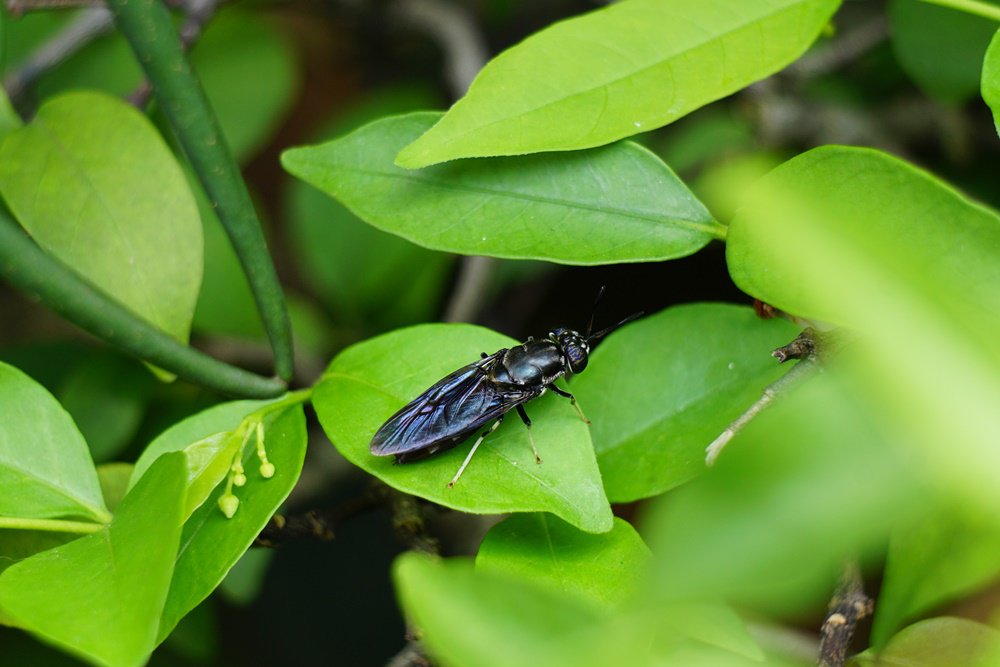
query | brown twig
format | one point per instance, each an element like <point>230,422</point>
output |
<point>849,605</point>
<point>319,524</point>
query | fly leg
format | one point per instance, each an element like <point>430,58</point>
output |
<point>468,458</point>
<point>572,399</point>
<point>531,438</point>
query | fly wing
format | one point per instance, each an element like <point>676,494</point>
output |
<point>447,412</point>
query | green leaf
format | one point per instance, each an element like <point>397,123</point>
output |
<point>94,184</point>
<point>948,552</point>
<point>940,48</point>
<point>107,394</point>
<point>114,478</point>
<point>100,596</point>
<point>618,203</point>
<point>245,579</point>
<point>660,390</point>
<point>45,467</point>
<point>494,619</point>
<point>628,68</point>
<point>856,237</point>
<point>249,73</point>
<point>364,275</point>
<point>606,568</point>
<point>9,120</point>
<point>938,642</point>
<point>991,78</point>
<point>368,382</point>
<point>211,544</point>
<point>209,441</point>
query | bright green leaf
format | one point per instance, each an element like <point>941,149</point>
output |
<point>107,395</point>
<point>859,238</point>
<point>95,185</point>
<point>940,48</point>
<point>209,441</point>
<point>100,596</point>
<point>9,120</point>
<point>948,552</point>
<point>660,390</point>
<point>938,642</point>
<point>45,467</point>
<point>618,203</point>
<point>368,382</point>
<point>991,79</point>
<point>604,568</point>
<point>627,68</point>
<point>211,544</point>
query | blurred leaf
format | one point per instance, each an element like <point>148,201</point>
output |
<point>364,274</point>
<point>368,382</point>
<point>245,579</point>
<point>806,484</point>
<point>617,71</point>
<point>723,185</point>
<point>940,48</point>
<point>856,237</point>
<point>114,479</point>
<point>938,642</point>
<point>495,619</point>
<point>197,637</point>
<point>249,72</point>
<point>712,133</point>
<point>107,395</point>
<point>991,79</point>
<point>660,390</point>
<point>211,544</point>
<point>949,551</point>
<point>604,568</point>
<point>100,596</point>
<point>92,181</point>
<point>45,467</point>
<point>618,203</point>
<point>9,120</point>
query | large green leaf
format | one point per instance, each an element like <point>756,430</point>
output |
<point>488,618</point>
<point>660,390</point>
<point>938,642</point>
<point>606,568</point>
<point>627,68</point>
<point>45,467</point>
<point>991,79</point>
<point>211,544</point>
<point>949,551</point>
<point>9,120</point>
<point>95,185</point>
<point>859,238</point>
<point>366,383</point>
<point>618,203</point>
<point>941,48</point>
<point>100,596</point>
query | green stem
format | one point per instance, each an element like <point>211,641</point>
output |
<point>977,7</point>
<point>30,269</point>
<point>147,26</point>
<point>50,525</point>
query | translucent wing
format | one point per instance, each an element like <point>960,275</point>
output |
<point>448,412</point>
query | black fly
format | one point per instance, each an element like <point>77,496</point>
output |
<point>462,402</point>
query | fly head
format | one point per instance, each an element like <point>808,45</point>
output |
<point>575,348</point>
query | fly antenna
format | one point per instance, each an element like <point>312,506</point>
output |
<point>593,311</point>
<point>603,332</point>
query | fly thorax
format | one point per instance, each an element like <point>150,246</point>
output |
<point>533,363</point>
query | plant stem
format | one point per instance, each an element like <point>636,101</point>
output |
<point>50,525</point>
<point>30,269</point>
<point>147,26</point>
<point>976,7</point>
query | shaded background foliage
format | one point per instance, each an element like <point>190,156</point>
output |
<point>296,73</point>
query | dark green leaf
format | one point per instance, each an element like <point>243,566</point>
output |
<point>618,203</point>
<point>991,79</point>
<point>624,69</point>
<point>606,568</point>
<point>45,467</point>
<point>100,596</point>
<point>368,382</point>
